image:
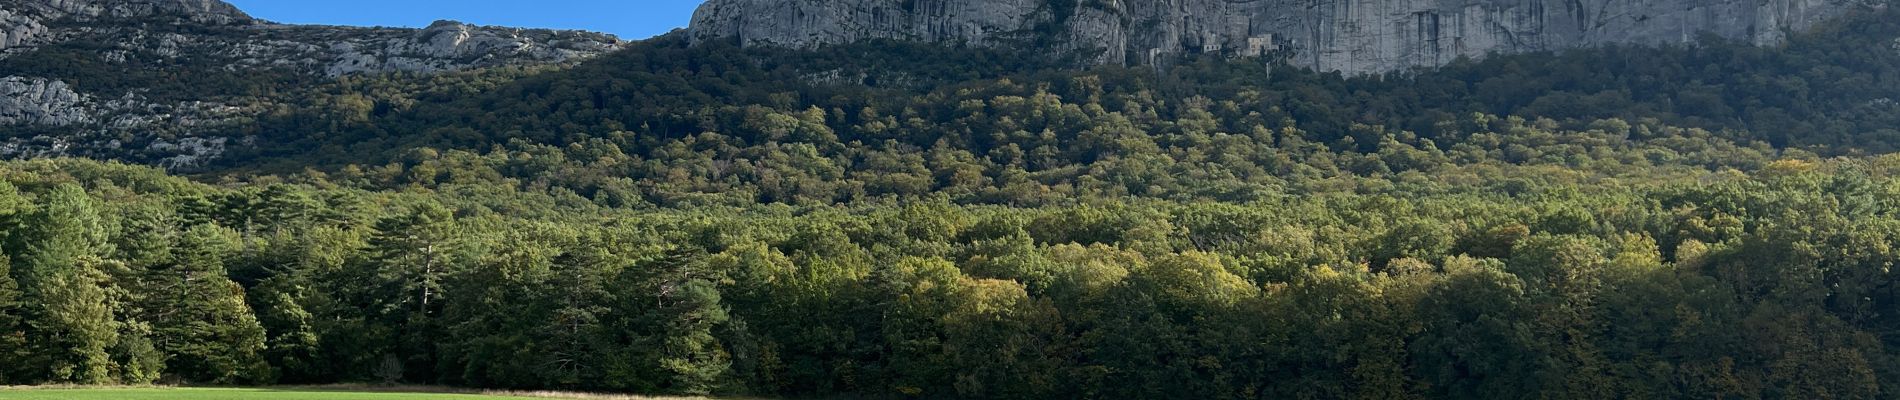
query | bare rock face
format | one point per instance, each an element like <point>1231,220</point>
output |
<point>17,29</point>
<point>203,11</point>
<point>41,101</point>
<point>805,23</point>
<point>24,22</point>
<point>186,129</point>
<point>248,42</point>
<point>450,45</point>
<point>1351,36</point>
<point>103,123</point>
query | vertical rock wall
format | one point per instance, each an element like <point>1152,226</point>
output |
<point>1353,36</point>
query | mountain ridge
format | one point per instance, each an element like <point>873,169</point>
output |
<point>325,49</point>
<point>75,66</point>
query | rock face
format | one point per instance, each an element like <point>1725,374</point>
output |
<point>25,22</point>
<point>450,45</point>
<point>203,11</point>
<point>18,29</point>
<point>41,102</point>
<point>195,36</point>
<point>1351,36</point>
<point>223,30</point>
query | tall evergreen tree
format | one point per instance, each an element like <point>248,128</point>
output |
<point>691,354</point>
<point>67,308</point>
<point>145,240</point>
<point>13,339</point>
<point>410,256</point>
<point>199,316</point>
<point>12,336</point>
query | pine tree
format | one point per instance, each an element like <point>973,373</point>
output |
<point>410,257</point>
<point>12,335</point>
<point>282,206</point>
<point>410,249</point>
<point>293,342</point>
<point>12,338</point>
<point>298,274</point>
<point>144,242</point>
<point>691,354</point>
<point>139,361</point>
<point>200,317</point>
<point>68,317</point>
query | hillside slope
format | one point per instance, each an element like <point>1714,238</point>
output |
<point>158,80</point>
<point>903,219</point>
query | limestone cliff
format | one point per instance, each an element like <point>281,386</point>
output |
<point>1352,36</point>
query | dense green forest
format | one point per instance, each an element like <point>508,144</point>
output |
<point>1707,221</point>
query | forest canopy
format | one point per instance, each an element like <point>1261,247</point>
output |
<point>1710,220</point>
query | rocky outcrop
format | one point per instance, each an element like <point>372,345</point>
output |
<point>169,135</point>
<point>806,23</point>
<point>182,130</point>
<point>450,45</point>
<point>25,22</point>
<point>1352,36</point>
<point>19,28</point>
<point>226,32</point>
<point>200,11</point>
<point>40,101</point>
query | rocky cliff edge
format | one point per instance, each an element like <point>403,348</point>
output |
<point>1351,36</point>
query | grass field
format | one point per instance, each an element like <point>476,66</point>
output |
<point>283,394</point>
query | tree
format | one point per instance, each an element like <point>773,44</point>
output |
<point>412,250</point>
<point>304,297</point>
<point>13,339</point>
<point>1477,340</point>
<point>200,318</point>
<point>1565,277</point>
<point>67,310</point>
<point>294,340</point>
<point>528,314</point>
<point>140,362</point>
<point>1414,238</point>
<point>691,354</point>
<point>409,256</point>
<point>144,241</point>
<point>1002,343</point>
<point>282,206</point>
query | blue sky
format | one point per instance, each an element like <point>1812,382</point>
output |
<point>631,19</point>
